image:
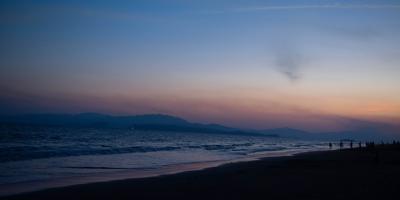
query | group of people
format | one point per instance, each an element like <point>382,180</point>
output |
<point>372,144</point>
<point>341,144</point>
<point>369,145</point>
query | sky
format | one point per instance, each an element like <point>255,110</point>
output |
<point>314,65</point>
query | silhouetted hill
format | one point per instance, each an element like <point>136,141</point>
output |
<point>138,122</point>
<point>159,122</point>
<point>89,119</point>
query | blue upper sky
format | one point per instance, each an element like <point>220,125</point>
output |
<point>245,63</point>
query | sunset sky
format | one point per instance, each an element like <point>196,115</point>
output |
<point>315,65</point>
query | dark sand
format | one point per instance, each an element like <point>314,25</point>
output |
<point>345,174</point>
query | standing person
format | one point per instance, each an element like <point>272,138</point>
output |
<point>341,144</point>
<point>330,145</point>
<point>351,144</point>
<point>359,145</point>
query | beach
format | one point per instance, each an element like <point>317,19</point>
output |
<point>340,174</point>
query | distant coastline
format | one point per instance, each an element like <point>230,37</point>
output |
<point>162,122</point>
<point>154,122</point>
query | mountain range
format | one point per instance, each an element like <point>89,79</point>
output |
<point>160,122</point>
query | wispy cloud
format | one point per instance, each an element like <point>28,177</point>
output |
<point>113,15</point>
<point>40,13</point>
<point>317,6</point>
<point>288,63</point>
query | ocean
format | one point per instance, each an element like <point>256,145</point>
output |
<point>34,157</point>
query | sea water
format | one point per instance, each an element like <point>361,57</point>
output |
<point>39,157</point>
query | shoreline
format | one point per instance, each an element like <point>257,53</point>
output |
<point>338,174</point>
<point>12,189</point>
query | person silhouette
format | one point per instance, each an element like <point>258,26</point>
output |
<point>341,144</point>
<point>359,145</point>
<point>330,145</point>
<point>351,144</point>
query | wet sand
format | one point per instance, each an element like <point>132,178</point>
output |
<point>342,174</point>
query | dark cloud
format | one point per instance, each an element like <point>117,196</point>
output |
<point>288,63</point>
